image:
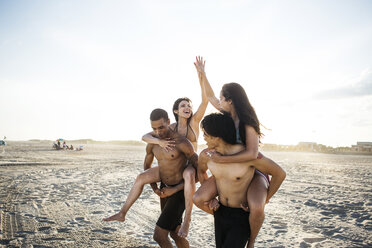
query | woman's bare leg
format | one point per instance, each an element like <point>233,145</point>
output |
<point>189,190</point>
<point>257,193</point>
<point>149,176</point>
<point>206,192</point>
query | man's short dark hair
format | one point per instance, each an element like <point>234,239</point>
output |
<point>158,113</point>
<point>220,125</point>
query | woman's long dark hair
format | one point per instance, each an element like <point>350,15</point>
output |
<point>176,105</point>
<point>244,110</point>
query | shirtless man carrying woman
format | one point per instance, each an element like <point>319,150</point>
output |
<point>232,227</point>
<point>234,101</point>
<point>187,125</point>
<point>169,172</point>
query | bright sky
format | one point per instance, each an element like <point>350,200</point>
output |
<point>96,69</point>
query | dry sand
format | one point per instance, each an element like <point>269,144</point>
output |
<point>54,198</point>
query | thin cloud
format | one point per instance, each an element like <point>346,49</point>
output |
<point>362,86</point>
<point>363,123</point>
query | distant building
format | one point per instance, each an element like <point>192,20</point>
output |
<point>307,146</point>
<point>362,147</point>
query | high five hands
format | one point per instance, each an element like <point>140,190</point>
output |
<point>200,64</point>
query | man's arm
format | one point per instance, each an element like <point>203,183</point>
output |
<point>267,166</point>
<point>149,158</point>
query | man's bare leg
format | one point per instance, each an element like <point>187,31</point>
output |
<point>189,190</point>
<point>161,237</point>
<point>206,192</point>
<point>257,193</point>
<point>149,176</point>
<point>180,242</point>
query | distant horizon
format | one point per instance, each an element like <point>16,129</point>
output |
<point>140,141</point>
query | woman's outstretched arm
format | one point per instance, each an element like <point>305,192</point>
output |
<point>249,153</point>
<point>200,67</point>
<point>150,138</point>
<point>198,115</point>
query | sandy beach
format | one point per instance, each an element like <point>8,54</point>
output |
<point>52,198</point>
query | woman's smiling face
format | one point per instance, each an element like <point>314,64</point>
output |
<point>184,109</point>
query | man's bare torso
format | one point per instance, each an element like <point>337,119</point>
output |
<point>171,164</point>
<point>232,181</point>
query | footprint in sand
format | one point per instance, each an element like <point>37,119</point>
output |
<point>82,222</point>
<point>63,230</point>
<point>109,229</point>
<point>42,219</point>
<point>304,245</point>
<point>54,239</point>
<point>100,231</point>
<point>101,240</point>
<point>98,212</point>
<point>311,203</point>
<point>313,240</point>
<point>72,222</point>
<point>104,240</point>
<point>332,232</point>
<point>326,213</point>
<point>43,228</point>
<point>280,227</point>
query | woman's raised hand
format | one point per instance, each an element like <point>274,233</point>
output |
<point>200,64</point>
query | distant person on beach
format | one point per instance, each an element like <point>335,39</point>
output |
<point>187,125</point>
<point>234,100</point>
<point>169,173</point>
<point>232,227</point>
<point>3,143</point>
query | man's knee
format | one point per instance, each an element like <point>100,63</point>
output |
<point>160,237</point>
<point>174,235</point>
<point>140,179</point>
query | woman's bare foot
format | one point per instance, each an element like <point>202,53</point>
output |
<point>118,217</point>
<point>184,229</point>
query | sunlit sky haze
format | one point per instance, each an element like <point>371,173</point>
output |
<point>96,69</point>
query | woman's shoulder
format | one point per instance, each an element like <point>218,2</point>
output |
<point>173,125</point>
